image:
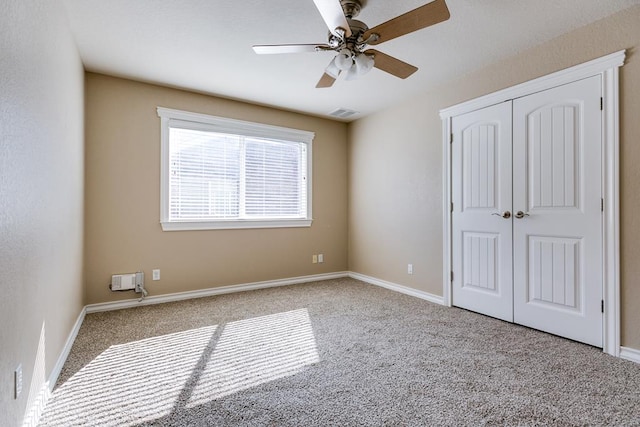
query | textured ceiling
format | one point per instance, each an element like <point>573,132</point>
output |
<point>205,45</point>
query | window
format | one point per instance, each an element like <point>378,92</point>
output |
<point>223,173</point>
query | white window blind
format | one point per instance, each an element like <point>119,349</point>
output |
<point>205,175</point>
<point>275,179</point>
<point>221,173</point>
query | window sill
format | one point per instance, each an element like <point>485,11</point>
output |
<point>234,224</point>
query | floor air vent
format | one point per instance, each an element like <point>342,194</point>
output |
<point>342,113</point>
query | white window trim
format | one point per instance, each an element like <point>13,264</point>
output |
<point>223,124</point>
<point>608,68</point>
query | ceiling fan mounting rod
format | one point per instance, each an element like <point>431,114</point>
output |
<point>351,8</point>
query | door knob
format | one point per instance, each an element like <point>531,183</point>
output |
<point>505,214</point>
<point>521,214</point>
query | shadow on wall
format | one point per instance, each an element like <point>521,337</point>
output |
<point>158,378</point>
<point>39,387</point>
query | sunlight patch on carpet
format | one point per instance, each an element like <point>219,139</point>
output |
<point>130,383</point>
<point>255,351</point>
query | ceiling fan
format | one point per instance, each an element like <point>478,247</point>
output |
<point>350,38</point>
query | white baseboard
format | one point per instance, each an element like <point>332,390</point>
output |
<point>398,288</point>
<point>630,354</point>
<point>179,296</point>
<point>55,372</point>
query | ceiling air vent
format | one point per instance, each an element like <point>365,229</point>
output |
<point>342,113</point>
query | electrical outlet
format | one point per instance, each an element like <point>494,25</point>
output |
<point>17,381</point>
<point>320,258</point>
<point>156,275</point>
<point>314,259</point>
<point>409,268</point>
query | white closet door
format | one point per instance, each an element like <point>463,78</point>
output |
<point>557,246</point>
<point>481,218</point>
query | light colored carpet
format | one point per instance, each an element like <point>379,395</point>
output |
<point>332,353</point>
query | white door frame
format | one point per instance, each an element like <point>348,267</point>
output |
<point>608,68</point>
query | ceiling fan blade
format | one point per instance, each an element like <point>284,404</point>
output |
<point>290,48</point>
<point>325,81</point>
<point>390,64</point>
<point>333,16</point>
<point>422,17</point>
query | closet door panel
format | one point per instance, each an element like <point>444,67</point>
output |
<point>557,238</point>
<point>481,194</point>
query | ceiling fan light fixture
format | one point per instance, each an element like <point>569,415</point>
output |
<point>352,73</point>
<point>364,63</point>
<point>344,59</point>
<point>333,69</point>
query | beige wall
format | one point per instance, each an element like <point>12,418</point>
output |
<point>123,232</point>
<point>41,196</point>
<point>395,164</point>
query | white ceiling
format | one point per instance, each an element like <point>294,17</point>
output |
<point>205,45</point>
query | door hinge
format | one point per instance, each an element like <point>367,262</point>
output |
<point>451,138</point>
<point>452,276</point>
<point>601,103</point>
<point>451,206</point>
<point>602,306</point>
<point>601,205</point>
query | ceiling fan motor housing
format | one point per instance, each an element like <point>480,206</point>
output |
<point>355,42</point>
<point>357,28</point>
